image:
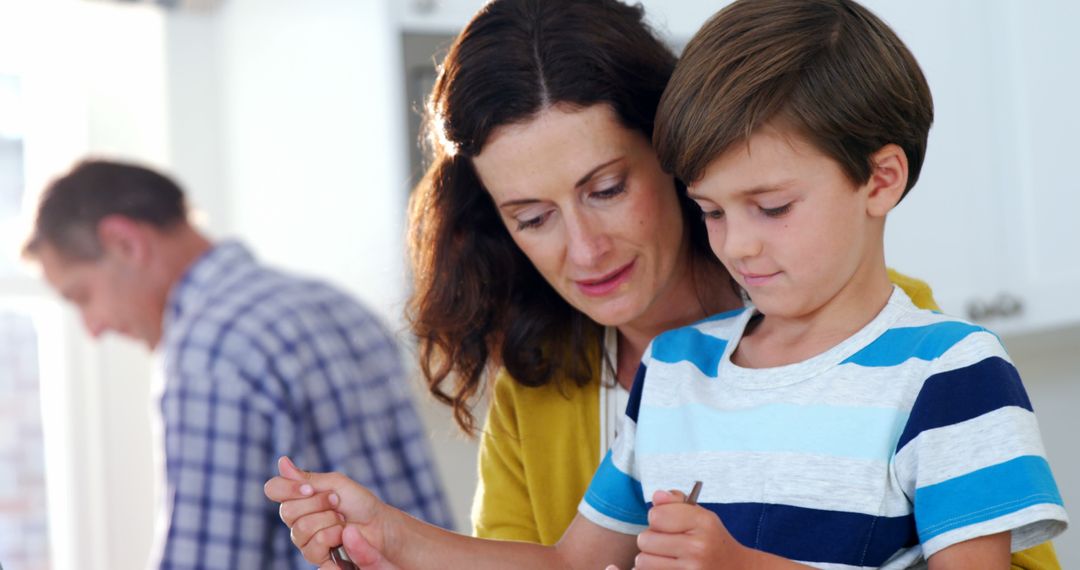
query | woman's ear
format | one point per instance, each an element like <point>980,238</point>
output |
<point>888,179</point>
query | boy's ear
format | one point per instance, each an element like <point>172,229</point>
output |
<point>887,180</point>
<point>123,237</point>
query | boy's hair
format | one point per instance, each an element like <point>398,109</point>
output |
<point>72,206</point>
<point>830,70</point>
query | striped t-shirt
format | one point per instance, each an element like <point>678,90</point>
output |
<point>910,436</point>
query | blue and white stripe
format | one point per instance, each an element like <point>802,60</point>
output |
<point>911,436</point>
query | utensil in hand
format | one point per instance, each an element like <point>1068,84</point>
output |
<point>342,559</point>
<point>691,499</point>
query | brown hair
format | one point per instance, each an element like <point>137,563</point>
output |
<point>829,69</point>
<point>72,205</point>
<point>478,300</point>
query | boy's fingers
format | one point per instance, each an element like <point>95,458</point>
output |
<point>668,545</point>
<point>305,530</point>
<point>674,517</point>
<point>290,511</point>
<point>289,470</point>
<point>645,561</point>
<point>665,497</point>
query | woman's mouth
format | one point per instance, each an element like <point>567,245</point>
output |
<point>606,283</point>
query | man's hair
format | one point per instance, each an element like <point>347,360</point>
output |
<point>73,205</point>
<point>828,70</point>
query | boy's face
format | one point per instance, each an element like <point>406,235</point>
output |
<point>789,225</point>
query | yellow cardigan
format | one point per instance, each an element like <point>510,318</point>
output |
<point>540,447</point>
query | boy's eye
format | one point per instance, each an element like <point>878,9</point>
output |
<point>712,214</point>
<point>776,212</point>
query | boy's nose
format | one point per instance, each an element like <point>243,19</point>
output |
<point>740,242</point>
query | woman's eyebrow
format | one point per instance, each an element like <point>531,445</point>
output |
<point>584,179</point>
<point>521,202</point>
<point>593,172</point>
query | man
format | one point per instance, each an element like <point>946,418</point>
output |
<point>256,364</point>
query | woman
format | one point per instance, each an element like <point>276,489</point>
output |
<point>549,247</point>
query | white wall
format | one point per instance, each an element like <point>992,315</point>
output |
<point>313,136</point>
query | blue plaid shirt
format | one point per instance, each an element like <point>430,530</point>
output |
<point>259,364</point>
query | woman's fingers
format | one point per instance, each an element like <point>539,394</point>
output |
<point>290,511</point>
<point>362,552</point>
<point>280,489</point>
<point>289,470</point>
<point>316,534</point>
<point>305,528</point>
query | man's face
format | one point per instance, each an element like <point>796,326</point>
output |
<point>110,292</point>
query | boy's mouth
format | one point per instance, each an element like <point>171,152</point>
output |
<point>757,279</point>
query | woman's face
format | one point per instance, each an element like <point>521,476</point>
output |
<point>587,202</point>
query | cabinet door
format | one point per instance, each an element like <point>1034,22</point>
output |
<point>1043,200</point>
<point>948,230</point>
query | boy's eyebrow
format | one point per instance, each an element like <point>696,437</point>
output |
<point>742,193</point>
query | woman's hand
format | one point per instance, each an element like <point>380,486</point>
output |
<point>316,508</point>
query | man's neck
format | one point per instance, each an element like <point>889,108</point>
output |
<point>179,249</point>
<point>175,250</point>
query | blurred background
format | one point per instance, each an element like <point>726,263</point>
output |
<point>292,124</point>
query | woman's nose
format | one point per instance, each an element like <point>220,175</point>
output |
<point>588,242</point>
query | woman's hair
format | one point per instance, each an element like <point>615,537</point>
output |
<point>478,300</point>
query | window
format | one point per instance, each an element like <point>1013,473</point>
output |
<point>24,529</point>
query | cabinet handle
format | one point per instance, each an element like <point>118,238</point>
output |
<point>1002,306</point>
<point>425,6</point>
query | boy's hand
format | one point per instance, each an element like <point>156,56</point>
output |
<point>316,506</point>
<point>685,536</point>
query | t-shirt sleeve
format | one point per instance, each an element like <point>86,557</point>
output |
<point>971,458</point>
<point>614,499</point>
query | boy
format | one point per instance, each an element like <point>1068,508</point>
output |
<point>833,423</point>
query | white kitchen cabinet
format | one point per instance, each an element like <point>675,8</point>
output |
<point>988,224</point>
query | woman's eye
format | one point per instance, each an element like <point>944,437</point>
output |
<point>712,215</point>
<point>777,212</point>
<point>609,193</point>
<point>534,222</point>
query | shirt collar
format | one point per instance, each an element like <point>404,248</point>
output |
<point>211,268</point>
